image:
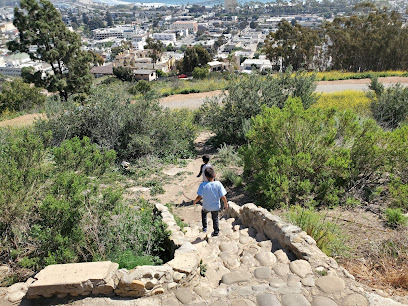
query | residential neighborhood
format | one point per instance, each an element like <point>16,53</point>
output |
<point>233,34</point>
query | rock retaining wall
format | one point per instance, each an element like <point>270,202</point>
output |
<point>104,278</point>
<point>289,236</point>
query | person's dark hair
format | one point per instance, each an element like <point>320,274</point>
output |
<point>206,158</point>
<point>209,173</point>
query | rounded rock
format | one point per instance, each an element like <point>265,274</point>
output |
<point>281,269</point>
<point>355,299</point>
<point>266,258</point>
<point>300,267</point>
<point>184,295</point>
<point>267,300</point>
<point>330,284</point>
<point>262,272</point>
<point>323,301</point>
<point>294,300</point>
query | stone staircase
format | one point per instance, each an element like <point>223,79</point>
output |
<point>243,267</point>
<point>246,266</point>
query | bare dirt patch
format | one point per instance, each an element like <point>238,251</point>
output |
<point>22,120</point>
<point>199,95</point>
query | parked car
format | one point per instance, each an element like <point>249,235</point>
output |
<point>182,76</point>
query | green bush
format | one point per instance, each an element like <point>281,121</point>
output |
<point>22,175</point>
<point>230,119</point>
<point>17,96</point>
<point>390,106</point>
<point>394,217</point>
<point>312,156</point>
<point>80,155</point>
<point>51,214</point>
<point>228,156</point>
<point>327,234</point>
<point>141,87</point>
<point>200,73</point>
<point>108,119</point>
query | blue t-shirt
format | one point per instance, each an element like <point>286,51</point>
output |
<point>211,192</point>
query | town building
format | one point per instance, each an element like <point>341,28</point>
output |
<point>169,37</point>
<point>191,26</point>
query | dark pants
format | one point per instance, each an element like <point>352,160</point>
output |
<point>214,217</point>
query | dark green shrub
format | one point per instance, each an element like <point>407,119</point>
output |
<point>230,119</point>
<point>80,155</point>
<point>311,157</point>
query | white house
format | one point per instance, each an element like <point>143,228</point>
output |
<point>260,64</point>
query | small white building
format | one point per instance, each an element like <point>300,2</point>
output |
<point>145,74</point>
<point>216,66</point>
<point>259,64</point>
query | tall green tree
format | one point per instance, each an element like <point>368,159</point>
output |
<point>109,19</point>
<point>40,25</point>
<point>373,40</point>
<point>155,48</point>
<point>293,45</point>
<point>195,56</point>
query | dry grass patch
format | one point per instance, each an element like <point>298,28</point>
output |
<point>385,265</point>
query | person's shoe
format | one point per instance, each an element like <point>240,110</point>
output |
<point>204,230</point>
<point>214,234</point>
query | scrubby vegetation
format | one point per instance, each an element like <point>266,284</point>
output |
<point>230,120</point>
<point>56,206</point>
<point>54,212</point>
<point>109,119</point>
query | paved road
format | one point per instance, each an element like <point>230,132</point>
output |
<point>194,101</point>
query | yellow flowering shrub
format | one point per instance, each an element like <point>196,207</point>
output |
<point>348,99</point>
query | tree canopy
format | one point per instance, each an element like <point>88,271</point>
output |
<point>293,45</point>
<point>375,39</point>
<point>40,25</point>
<point>195,56</point>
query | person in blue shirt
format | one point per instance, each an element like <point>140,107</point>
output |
<point>211,192</point>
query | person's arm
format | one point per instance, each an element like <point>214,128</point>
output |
<point>201,170</point>
<point>198,198</point>
<point>224,199</point>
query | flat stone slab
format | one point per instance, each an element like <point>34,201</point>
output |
<point>355,299</point>
<point>76,278</point>
<point>184,263</point>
